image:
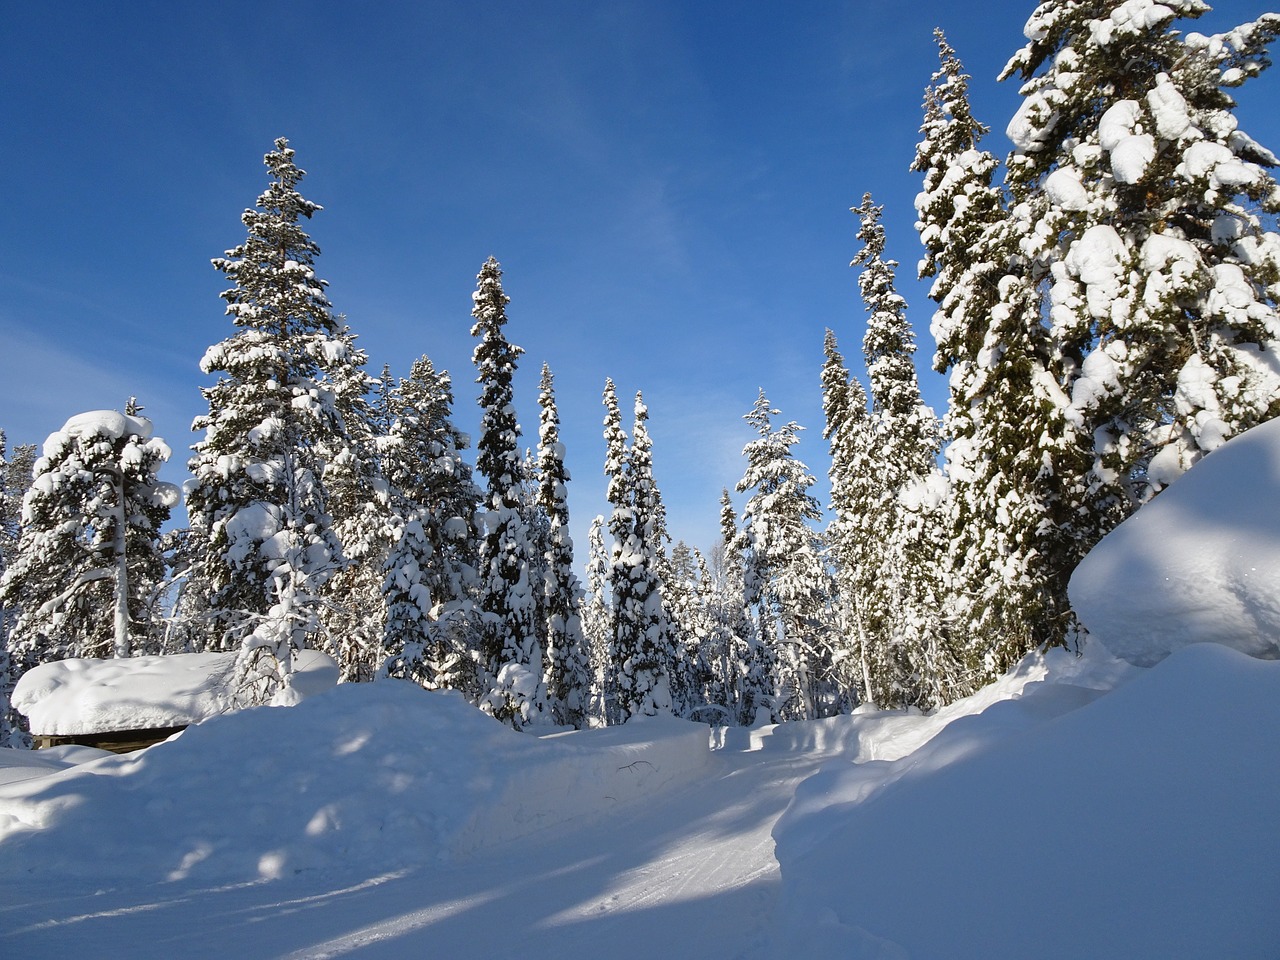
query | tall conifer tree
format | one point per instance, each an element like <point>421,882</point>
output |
<point>258,502</point>
<point>511,655</point>
<point>910,650</point>
<point>566,675</point>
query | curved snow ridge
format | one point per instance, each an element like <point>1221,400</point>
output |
<point>383,774</point>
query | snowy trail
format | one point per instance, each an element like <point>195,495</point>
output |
<point>690,873</point>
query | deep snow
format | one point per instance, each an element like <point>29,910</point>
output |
<point>1080,807</point>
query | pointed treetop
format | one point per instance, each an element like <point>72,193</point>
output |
<point>761,415</point>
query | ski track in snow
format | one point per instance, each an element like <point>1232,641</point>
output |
<point>689,873</point>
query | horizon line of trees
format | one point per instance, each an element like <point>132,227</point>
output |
<point>1105,308</point>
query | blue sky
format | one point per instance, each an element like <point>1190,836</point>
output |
<point>667,186</point>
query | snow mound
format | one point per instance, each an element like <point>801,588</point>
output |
<point>1200,563</point>
<point>1139,825</point>
<point>79,696</point>
<point>382,775</point>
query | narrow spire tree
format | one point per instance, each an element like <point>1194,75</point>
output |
<point>566,675</point>
<point>15,479</point>
<point>1003,421</point>
<point>854,485</point>
<point>510,652</point>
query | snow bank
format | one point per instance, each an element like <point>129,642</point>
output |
<point>381,775</point>
<point>79,696</point>
<point>1139,825</point>
<point>1199,563</point>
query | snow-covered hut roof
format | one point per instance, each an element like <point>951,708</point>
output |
<point>76,697</point>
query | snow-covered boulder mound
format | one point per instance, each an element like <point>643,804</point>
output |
<point>373,776</point>
<point>68,698</point>
<point>1141,824</point>
<point>1200,563</point>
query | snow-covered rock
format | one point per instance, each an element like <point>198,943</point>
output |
<point>73,697</point>
<point>1200,563</point>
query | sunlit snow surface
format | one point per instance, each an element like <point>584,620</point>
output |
<point>1078,808</point>
<point>1199,563</point>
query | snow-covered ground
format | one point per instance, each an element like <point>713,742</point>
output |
<point>1082,807</point>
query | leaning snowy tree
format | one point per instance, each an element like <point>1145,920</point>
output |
<point>510,652</point>
<point>1008,445</point>
<point>1145,220</point>
<point>258,501</point>
<point>88,561</point>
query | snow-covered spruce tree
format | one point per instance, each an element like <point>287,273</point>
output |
<point>681,590</point>
<point>511,659</point>
<point>1003,422</point>
<point>855,486</point>
<point>258,500</point>
<point>640,654</point>
<point>910,655</point>
<point>787,580</point>
<point>1143,210</point>
<point>747,668</point>
<point>88,560</point>
<point>567,673</point>
<point>15,479</point>
<point>431,633</point>
<point>649,562</point>
<point>359,506</point>
<point>597,622</point>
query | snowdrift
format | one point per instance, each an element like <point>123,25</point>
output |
<point>383,774</point>
<point>1199,563</point>
<point>1138,825</point>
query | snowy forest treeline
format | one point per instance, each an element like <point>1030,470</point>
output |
<point>1105,308</point>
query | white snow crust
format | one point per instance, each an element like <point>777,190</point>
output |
<point>1199,563</point>
<point>80,696</point>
